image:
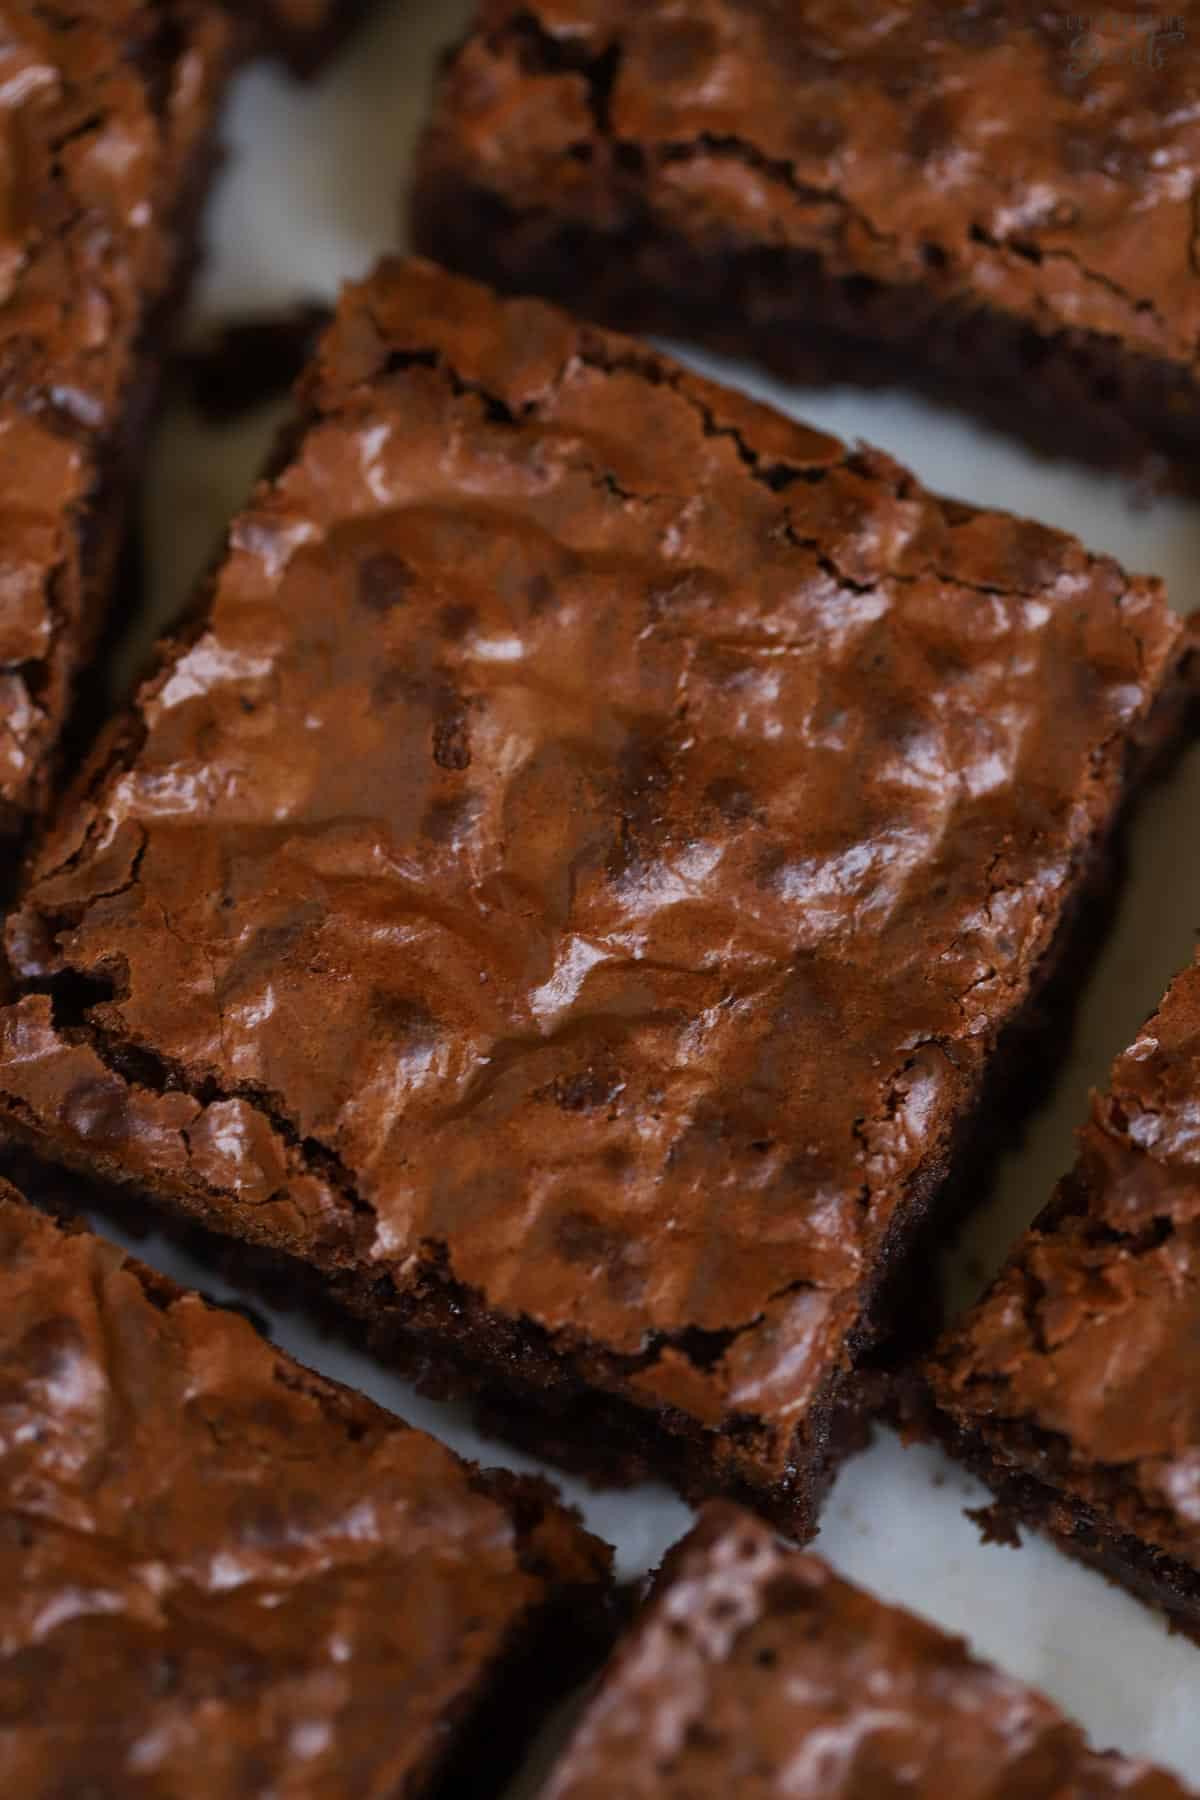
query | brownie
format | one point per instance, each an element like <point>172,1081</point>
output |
<point>226,1575</point>
<point>571,881</point>
<point>307,33</point>
<point>108,115</point>
<point>755,1671</point>
<point>994,202</point>
<point>1072,1387</point>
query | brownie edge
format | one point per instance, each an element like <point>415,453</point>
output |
<point>946,198</point>
<point>1071,1388</point>
<point>113,111</point>
<point>225,1574</point>
<point>756,1671</point>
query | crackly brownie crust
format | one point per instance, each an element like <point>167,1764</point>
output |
<point>572,884</point>
<point>755,1671</point>
<point>960,197</point>
<point>110,112</point>
<point>261,1580</point>
<point>1071,1386</point>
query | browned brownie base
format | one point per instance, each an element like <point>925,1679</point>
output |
<point>1070,1388</point>
<point>834,200</point>
<point>754,1671</point>
<point>1022,1500</point>
<point>260,1580</point>
<point>570,1002</point>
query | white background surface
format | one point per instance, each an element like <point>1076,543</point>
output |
<point>311,195</point>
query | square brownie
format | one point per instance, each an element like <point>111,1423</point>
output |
<point>108,115</point>
<point>573,882</point>
<point>226,1576</point>
<point>755,1671</point>
<point>1073,1388</point>
<point>994,202</point>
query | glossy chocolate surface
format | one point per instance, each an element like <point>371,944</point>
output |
<point>755,1671</point>
<point>1080,1364</point>
<point>587,853</point>
<point>104,112</point>
<point>221,1573</point>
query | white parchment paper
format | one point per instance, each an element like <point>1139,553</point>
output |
<point>312,194</point>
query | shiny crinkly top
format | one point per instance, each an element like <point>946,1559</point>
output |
<point>755,1671</point>
<point>103,109</point>
<point>1083,1354</point>
<point>222,1575</point>
<point>590,846</point>
<point>1038,160</point>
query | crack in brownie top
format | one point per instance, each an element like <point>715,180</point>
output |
<point>223,1574</point>
<point>101,110</point>
<point>590,845</point>
<point>1085,1345</point>
<point>999,151</point>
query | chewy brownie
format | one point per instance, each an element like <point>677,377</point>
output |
<point>225,1575</point>
<point>1073,1388</point>
<point>997,201</point>
<point>108,114</point>
<point>570,882</point>
<point>754,1671</point>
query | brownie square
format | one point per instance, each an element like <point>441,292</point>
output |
<point>108,115</point>
<point>225,1575</point>
<point>1072,1388</point>
<point>993,202</point>
<point>572,882</point>
<point>754,1671</point>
